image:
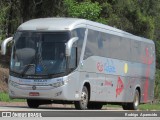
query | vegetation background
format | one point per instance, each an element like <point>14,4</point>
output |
<point>139,17</point>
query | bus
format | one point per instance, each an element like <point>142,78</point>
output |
<point>80,62</point>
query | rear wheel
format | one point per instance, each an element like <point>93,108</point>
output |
<point>136,101</point>
<point>134,105</point>
<point>33,103</point>
<point>82,104</point>
<point>95,105</point>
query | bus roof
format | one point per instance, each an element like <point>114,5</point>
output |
<point>51,24</point>
<point>59,24</point>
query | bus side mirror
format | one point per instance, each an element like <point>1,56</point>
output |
<point>4,45</point>
<point>69,45</point>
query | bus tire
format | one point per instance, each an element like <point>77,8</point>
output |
<point>95,105</point>
<point>134,105</point>
<point>33,103</point>
<point>82,104</point>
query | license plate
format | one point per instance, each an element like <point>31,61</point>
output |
<point>34,94</point>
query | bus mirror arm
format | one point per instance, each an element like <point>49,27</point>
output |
<point>69,45</point>
<point>4,45</point>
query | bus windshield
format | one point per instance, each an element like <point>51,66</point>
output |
<point>39,53</point>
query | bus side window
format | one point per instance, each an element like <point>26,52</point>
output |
<point>93,46</point>
<point>136,50</point>
<point>114,47</point>
<point>105,52</point>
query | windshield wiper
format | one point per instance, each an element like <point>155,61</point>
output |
<point>26,69</point>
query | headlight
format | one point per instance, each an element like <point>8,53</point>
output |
<point>58,84</point>
<point>14,84</point>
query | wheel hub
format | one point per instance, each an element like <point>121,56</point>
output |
<point>136,100</point>
<point>84,98</point>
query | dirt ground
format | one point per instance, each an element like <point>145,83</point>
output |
<point>24,104</point>
<point>4,72</point>
<point>51,106</point>
<point>13,104</point>
<point>3,79</point>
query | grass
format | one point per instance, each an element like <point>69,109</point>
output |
<point>110,105</point>
<point>4,97</point>
<point>150,106</point>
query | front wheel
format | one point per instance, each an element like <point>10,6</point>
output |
<point>33,103</point>
<point>82,104</point>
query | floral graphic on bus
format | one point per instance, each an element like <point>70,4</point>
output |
<point>120,87</point>
<point>107,67</point>
<point>100,66</point>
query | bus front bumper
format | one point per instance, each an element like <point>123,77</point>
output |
<point>29,89</point>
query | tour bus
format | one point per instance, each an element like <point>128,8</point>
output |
<point>88,64</point>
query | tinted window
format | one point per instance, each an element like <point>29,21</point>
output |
<point>136,51</point>
<point>93,44</point>
<point>107,45</point>
<point>116,47</point>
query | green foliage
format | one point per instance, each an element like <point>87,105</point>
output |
<point>3,14</point>
<point>157,44</point>
<point>5,98</point>
<point>143,25</point>
<point>9,18</point>
<point>157,85</point>
<point>150,106</point>
<point>135,16</point>
<point>129,15</point>
<point>86,10</point>
<point>157,28</point>
<point>3,17</point>
<point>155,106</point>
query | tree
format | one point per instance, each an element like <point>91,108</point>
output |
<point>4,19</point>
<point>87,10</point>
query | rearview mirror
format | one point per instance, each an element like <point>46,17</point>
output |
<point>69,45</point>
<point>4,45</point>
